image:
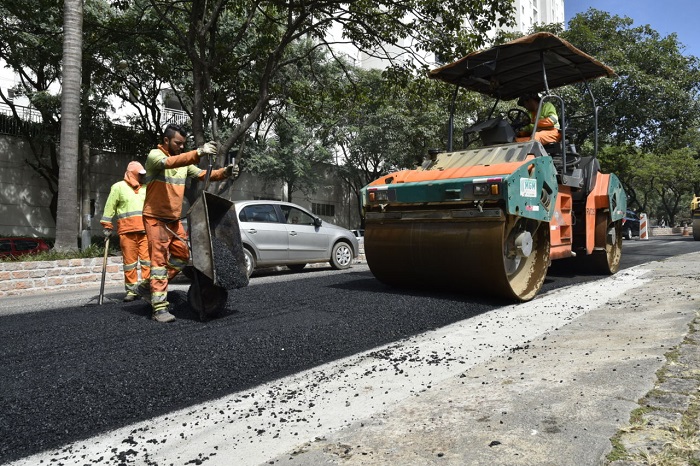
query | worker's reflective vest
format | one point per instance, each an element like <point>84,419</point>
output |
<point>548,118</point>
<point>125,204</point>
<point>167,175</point>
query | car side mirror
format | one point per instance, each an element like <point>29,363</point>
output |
<point>317,222</point>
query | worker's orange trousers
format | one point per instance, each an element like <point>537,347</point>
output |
<point>545,136</point>
<point>134,247</point>
<point>169,255</point>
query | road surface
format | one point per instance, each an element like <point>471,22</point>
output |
<point>328,367</point>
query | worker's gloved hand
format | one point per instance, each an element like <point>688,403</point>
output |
<point>231,171</point>
<point>107,232</point>
<point>545,123</point>
<point>208,150</point>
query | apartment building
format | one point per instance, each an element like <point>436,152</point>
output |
<point>531,12</point>
<point>528,13</point>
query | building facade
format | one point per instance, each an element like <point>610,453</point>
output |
<point>529,13</point>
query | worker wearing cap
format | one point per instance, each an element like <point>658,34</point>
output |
<point>125,203</point>
<point>547,122</point>
<point>167,169</point>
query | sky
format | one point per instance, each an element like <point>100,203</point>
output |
<point>666,17</point>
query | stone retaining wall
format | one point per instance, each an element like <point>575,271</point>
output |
<point>665,231</point>
<point>19,278</point>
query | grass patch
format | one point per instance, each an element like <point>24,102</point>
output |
<point>637,416</point>
<point>618,450</point>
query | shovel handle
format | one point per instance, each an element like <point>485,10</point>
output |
<point>104,273</point>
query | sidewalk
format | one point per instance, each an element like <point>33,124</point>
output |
<point>618,386</point>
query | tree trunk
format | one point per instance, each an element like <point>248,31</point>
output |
<point>85,189</point>
<point>67,223</point>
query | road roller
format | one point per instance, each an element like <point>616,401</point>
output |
<point>695,214</point>
<point>490,217</point>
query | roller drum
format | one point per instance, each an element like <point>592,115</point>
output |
<point>503,257</point>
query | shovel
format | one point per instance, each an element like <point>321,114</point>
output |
<point>100,299</point>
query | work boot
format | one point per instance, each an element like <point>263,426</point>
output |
<point>144,290</point>
<point>162,316</point>
<point>130,297</point>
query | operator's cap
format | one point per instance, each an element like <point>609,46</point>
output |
<point>525,97</point>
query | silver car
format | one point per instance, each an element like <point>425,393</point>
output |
<point>282,233</point>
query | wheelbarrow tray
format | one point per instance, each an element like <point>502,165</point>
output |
<point>217,253</point>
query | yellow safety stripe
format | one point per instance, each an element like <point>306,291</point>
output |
<point>176,263</point>
<point>131,266</point>
<point>159,273</point>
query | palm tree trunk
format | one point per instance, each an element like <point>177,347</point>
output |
<point>68,214</point>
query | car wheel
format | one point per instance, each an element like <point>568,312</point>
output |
<point>249,262</point>
<point>296,267</point>
<point>341,256</point>
<point>628,233</point>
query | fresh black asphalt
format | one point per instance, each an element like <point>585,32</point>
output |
<point>71,373</point>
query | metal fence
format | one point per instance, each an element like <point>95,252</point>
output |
<point>179,117</point>
<point>30,118</point>
<point>114,138</point>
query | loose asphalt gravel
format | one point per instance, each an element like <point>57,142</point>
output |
<point>420,379</point>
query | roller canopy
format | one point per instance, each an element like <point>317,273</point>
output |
<point>515,68</point>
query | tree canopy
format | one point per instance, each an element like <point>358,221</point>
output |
<point>653,101</point>
<point>267,78</point>
<point>228,54</point>
<point>650,112</point>
<point>224,60</point>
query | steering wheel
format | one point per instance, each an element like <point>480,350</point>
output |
<point>518,118</point>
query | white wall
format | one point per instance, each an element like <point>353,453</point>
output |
<point>24,198</point>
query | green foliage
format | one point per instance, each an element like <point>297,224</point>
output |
<point>672,175</point>
<point>649,112</point>
<point>388,127</point>
<point>653,100</point>
<point>238,67</point>
<point>94,250</point>
<point>294,154</point>
<point>660,184</point>
<point>232,57</point>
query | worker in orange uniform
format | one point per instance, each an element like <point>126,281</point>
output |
<point>547,121</point>
<point>125,202</point>
<point>167,169</point>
